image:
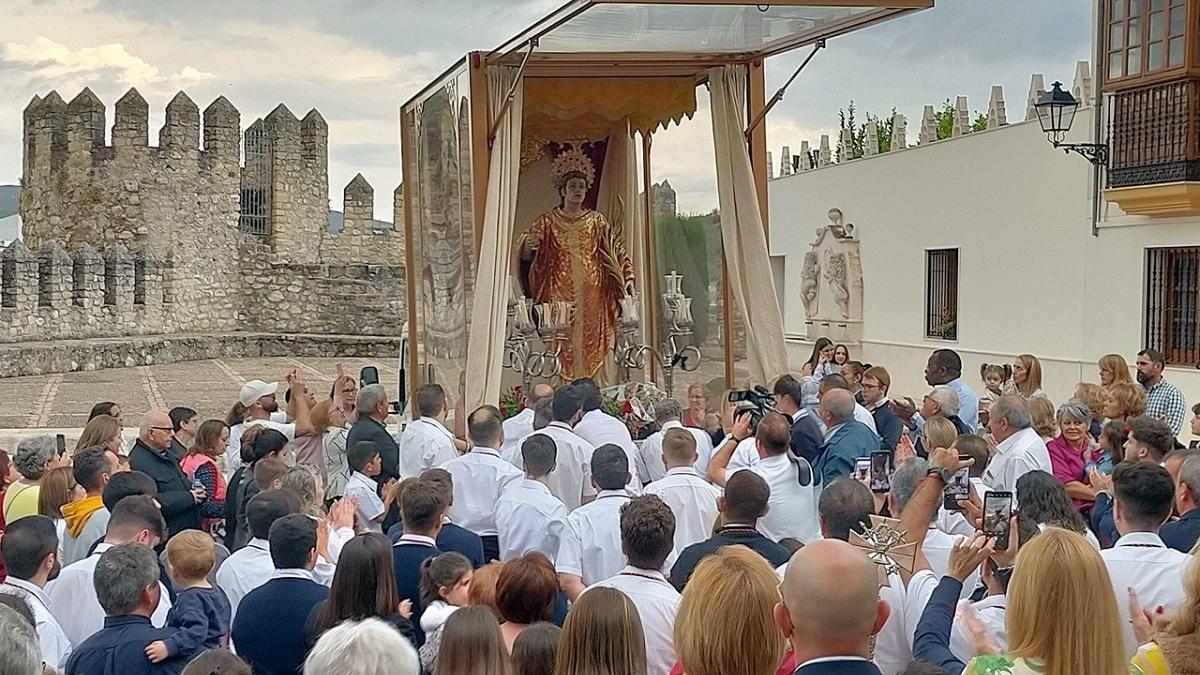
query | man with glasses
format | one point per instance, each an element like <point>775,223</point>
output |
<point>151,455</point>
<point>875,385</point>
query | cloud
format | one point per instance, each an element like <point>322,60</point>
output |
<point>47,60</point>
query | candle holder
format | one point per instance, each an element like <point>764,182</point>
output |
<point>552,327</point>
<point>675,352</point>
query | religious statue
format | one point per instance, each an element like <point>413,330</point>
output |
<point>837,227</point>
<point>575,255</point>
<point>835,274</point>
<point>810,282</point>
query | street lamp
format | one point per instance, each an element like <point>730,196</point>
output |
<point>1056,111</point>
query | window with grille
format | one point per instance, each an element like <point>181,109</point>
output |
<point>1172,294</point>
<point>1145,36</point>
<point>941,294</point>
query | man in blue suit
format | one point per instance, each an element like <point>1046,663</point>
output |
<point>830,609</point>
<point>846,439</point>
<point>806,431</point>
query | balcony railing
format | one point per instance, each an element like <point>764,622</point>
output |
<point>1155,134</point>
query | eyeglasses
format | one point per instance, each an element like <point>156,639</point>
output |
<point>171,429</point>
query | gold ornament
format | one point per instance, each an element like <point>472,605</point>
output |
<point>573,160</point>
<point>885,545</point>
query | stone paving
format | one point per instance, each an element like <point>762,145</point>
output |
<point>62,401</point>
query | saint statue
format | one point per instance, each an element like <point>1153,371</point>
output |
<point>574,254</point>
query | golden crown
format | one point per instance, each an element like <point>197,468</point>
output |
<point>573,160</point>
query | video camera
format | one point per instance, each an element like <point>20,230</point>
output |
<point>759,401</point>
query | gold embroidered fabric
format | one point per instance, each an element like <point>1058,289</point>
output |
<point>580,260</point>
<point>561,108</point>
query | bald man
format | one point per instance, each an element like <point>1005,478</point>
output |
<point>846,439</point>
<point>517,427</point>
<point>831,609</point>
<point>152,456</point>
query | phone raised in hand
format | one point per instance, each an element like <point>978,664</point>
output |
<point>997,516</point>
<point>881,471</point>
<point>862,468</point>
<point>60,443</point>
<point>958,489</point>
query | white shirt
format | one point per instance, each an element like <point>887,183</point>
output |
<point>571,479</point>
<point>990,611</point>
<point>599,428</point>
<point>480,477</point>
<point>693,500</point>
<point>860,413</point>
<point>245,570</point>
<point>516,428</point>
<point>657,602</point>
<point>744,456</point>
<point>650,462</point>
<point>591,544</point>
<point>1141,561</point>
<point>370,506</point>
<point>55,645</point>
<point>424,444</point>
<point>530,518</point>
<point>793,507</point>
<point>937,547</point>
<point>73,599</point>
<point>1016,456</point>
<point>233,449</point>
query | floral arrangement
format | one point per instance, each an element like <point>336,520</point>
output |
<point>632,403</point>
<point>512,401</point>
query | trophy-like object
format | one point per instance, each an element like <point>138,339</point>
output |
<point>553,323</point>
<point>674,353</point>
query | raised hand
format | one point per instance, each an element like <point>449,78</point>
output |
<point>968,554</point>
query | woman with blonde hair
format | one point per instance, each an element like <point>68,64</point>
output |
<point>1057,622</point>
<point>471,645</point>
<point>58,489</point>
<point>1125,400</point>
<point>1113,369</point>
<point>102,430</point>
<point>1041,413</point>
<point>602,636</point>
<point>483,587</point>
<point>735,582</point>
<point>1026,377</point>
<point>329,421</point>
<point>939,432</point>
<point>1171,645</point>
<point>304,481</point>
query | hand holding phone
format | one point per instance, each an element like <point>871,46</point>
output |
<point>881,479</point>
<point>958,489</point>
<point>997,516</point>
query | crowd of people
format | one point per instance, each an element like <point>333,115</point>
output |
<point>833,528</point>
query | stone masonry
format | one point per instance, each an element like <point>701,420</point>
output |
<point>129,239</point>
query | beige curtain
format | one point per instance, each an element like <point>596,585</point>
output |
<point>485,345</point>
<point>742,234</point>
<point>619,199</point>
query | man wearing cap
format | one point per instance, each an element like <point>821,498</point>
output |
<point>260,408</point>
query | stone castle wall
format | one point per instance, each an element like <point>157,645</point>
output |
<point>128,239</point>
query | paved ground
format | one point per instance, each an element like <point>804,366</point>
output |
<point>62,401</point>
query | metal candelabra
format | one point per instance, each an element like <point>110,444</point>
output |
<point>675,352</point>
<point>554,321</point>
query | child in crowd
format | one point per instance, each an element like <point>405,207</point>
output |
<point>994,376</point>
<point>445,585</point>
<point>201,613</point>
<point>1111,446</point>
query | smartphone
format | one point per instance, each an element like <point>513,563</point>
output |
<point>368,375</point>
<point>958,490</point>
<point>862,468</point>
<point>881,464</point>
<point>61,442</point>
<point>997,514</point>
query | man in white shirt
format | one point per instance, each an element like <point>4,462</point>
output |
<point>250,566</point>
<point>365,463</point>
<point>258,398</point>
<point>73,594</point>
<point>651,465</point>
<point>591,545</point>
<point>571,480</point>
<point>30,551</point>
<point>542,416</point>
<point>528,516</point>
<point>426,442</point>
<point>692,500</point>
<point>517,427</point>
<point>647,536</point>
<point>1139,560</point>
<point>937,544</point>
<point>1019,449</point>
<point>480,477</point>
<point>598,427</point>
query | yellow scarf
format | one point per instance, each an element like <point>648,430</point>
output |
<point>77,513</point>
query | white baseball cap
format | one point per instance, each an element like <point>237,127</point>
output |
<point>256,389</point>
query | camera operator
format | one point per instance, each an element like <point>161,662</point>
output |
<point>740,443</point>
<point>793,501</point>
<point>806,436</point>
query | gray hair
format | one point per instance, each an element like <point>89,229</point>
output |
<point>1013,410</point>
<point>32,454</point>
<point>1189,475</point>
<point>543,412</point>
<point>667,410</point>
<point>122,574</point>
<point>810,391</point>
<point>839,405</point>
<point>1075,410</point>
<point>369,398</point>
<point>367,647</point>
<point>904,482</point>
<point>19,652</point>
<point>947,399</point>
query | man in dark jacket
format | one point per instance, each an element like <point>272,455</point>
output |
<point>806,430</point>
<point>372,405</point>
<point>152,456</point>
<point>875,385</point>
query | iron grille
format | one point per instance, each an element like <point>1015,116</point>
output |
<point>1172,295</point>
<point>941,294</point>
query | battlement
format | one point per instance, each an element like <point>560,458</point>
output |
<point>361,239</point>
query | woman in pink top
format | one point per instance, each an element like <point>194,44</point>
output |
<point>200,464</point>
<point>1072,449</point>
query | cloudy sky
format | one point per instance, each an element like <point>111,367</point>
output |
<point>357,61</point>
